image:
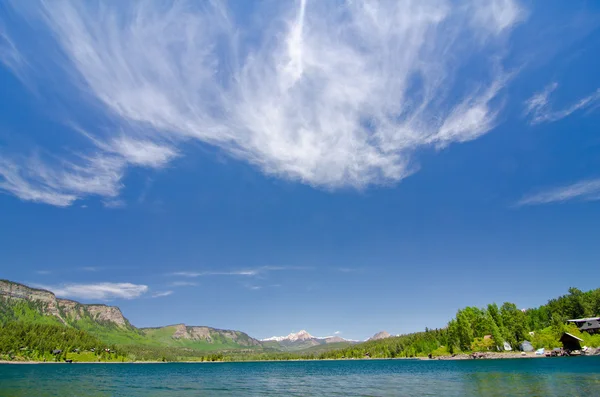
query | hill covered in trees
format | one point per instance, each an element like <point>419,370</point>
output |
<point>542,326</point>
<point>109,324</point>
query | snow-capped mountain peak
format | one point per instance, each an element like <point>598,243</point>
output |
<point>301,335</point>
<point>303,340</point>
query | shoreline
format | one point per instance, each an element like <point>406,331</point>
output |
<point>487,356</point>
<point>458,357</point>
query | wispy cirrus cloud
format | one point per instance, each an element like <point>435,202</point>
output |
<point>60,181</point>
<point>162,294</point>
<point>539,106</point>
<point>183,283</point>
<point>99,291</point>
<point>331,94</point>
<point>348,270</point>
<point>244,272</point>
<point>582,190</point>
<point>216,273</point>
<point>10,55</point>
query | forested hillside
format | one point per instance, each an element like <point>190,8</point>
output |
<point>23,307</point>
<point>507,323</point>
<point>28,334</point>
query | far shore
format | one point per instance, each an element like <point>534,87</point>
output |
<point>488,356</point>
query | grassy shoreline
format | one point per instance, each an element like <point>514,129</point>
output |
<point>458,357</point>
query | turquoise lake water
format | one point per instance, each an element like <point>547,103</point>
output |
<point>569,376</point>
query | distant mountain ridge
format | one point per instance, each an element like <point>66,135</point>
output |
<point>292,337</point>
<point>182,332</point>
<point>380,335</point>
<point>109,324</point>
<point>303,340</point>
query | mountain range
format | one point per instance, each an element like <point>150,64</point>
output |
<point>303,340</point>
<point>22,303</point>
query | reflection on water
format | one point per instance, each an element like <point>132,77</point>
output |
<point>520,377</point>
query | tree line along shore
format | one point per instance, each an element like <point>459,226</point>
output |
<point>28,335</point>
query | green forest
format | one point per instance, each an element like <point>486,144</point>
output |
<point>28,334</point>
<point>542,326</point>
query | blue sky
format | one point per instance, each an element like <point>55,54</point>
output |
<point>332,166</point>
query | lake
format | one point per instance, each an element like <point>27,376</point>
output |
<point>568,376</point>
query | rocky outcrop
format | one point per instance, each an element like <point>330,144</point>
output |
<point>110,314</point>
<point>67,311</point>
<point>209,335</point>
<point>73,310</point>
<point>15,291</point>
<point>380,335</point>
<point>335,339</point>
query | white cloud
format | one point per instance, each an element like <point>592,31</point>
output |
<point>495,15</point>
<point>10,55</point>
<point>183,284</point>
<point>245,272</point>
<point>99,291</point>
<point>162,294</point>
<point>338,95</point>
<point>61,182</point>
<point>583,190</point>
<point>539,108</point>
<point>216,273</point>
<point>337,333</point>
<point>347,270</point>
<point>115,203</point>
<point>140,152</point>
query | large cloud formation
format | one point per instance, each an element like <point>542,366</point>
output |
<point>332,94</point>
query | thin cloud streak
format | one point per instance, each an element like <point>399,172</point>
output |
<point>584,190</point>
<point>98,291</point>
<point>539,108</point>
<point>214,273</point>
<point>162,294</point>
<point>348,270</point>
<point>183,284</point>
<point>338,95</point>
<point>247,272</point>
<point>10,55</point>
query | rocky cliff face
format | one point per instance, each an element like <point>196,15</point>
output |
<point>335,339</point>
<point>380,335</point>
<point>65,310</point>
<point>15,291</point>
<point>211,335</point>
<point>110,314</point>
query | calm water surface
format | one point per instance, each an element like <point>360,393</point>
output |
<point>569,376</point>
